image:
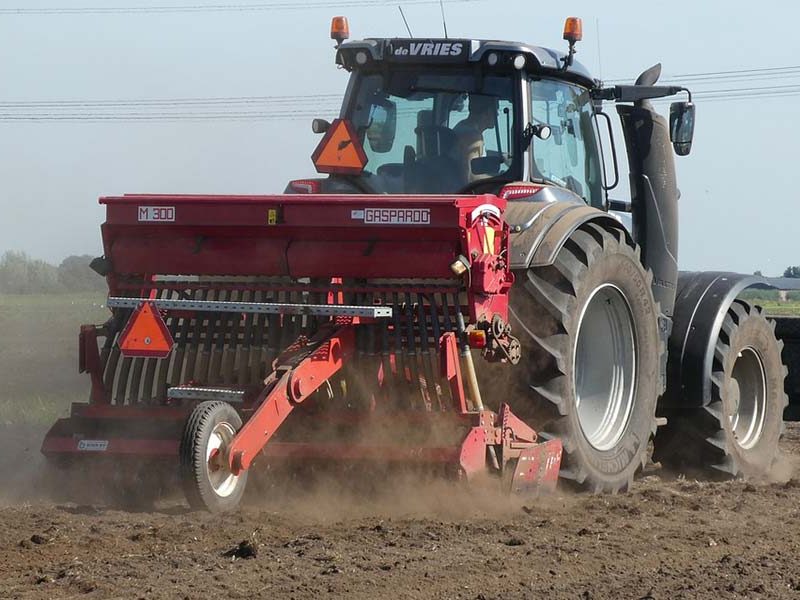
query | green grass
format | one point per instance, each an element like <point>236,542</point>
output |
<point>781,309</point>
<point>39,354</point>
<point>41,411</point>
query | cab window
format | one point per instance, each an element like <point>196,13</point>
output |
<point>435,132</point>
<point>570,157</point>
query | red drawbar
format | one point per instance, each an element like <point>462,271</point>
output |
<point>299,372</point>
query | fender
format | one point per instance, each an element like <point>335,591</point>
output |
<point>703,300</point>
<point>541,226</point>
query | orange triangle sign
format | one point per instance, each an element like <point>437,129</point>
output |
<point>146,334</point>
<point>340,151</point>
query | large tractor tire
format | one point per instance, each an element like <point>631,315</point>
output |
<point>206,480</point>
<point>592,355</point>
<point>737,434</point>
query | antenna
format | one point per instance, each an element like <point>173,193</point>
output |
<point>599,54</point>
<point>444,18</point>
<point>400,8</point>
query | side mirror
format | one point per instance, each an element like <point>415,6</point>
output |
<point>382,127</point>
<point>681,127</point>
<point>320,126</point>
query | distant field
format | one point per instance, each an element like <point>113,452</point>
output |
<point>780,309</point>
<point>38,354</point>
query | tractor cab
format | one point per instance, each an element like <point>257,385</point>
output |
<point>462,116</point>
<point>459,116</point>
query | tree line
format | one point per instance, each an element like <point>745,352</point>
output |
<point>21,274</point>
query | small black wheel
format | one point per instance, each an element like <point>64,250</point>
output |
<point>738,433</point>
<point>206,479</point>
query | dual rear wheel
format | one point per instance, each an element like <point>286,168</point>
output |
<point>738,431</point>
<point>594,364</point>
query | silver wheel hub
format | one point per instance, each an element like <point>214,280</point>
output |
<point>604,367</point>
<point>747,398</point>
<point>219,475</point>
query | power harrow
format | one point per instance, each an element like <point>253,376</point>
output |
<point>312,328</point>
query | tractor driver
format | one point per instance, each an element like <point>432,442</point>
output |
<point>469,142</point>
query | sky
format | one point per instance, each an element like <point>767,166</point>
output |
<point>739,196</point>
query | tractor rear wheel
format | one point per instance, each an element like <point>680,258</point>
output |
<point>737,434</point>
<point>592,356</point>
<point>206,479</point>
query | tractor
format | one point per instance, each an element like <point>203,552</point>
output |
<point>457,289</point>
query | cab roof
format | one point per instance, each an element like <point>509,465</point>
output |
<point>459,51</point>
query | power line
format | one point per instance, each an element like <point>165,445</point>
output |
<point>287,115</point>
<point>236,105</point>
<point>287,107</point>
<point>199,8</point>
<point>178,102</point>
<point>759,73</point>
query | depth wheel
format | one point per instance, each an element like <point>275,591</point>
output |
<point>738,433</point>
<point>206,479</point>
<point>593,355</point>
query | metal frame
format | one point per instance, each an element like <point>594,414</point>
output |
<point>268,308</point>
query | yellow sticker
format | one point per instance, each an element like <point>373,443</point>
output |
<point>272,216</point>
<point>488,240</point>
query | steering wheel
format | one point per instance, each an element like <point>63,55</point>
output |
<point>490,183</point>
<point>358,182</point>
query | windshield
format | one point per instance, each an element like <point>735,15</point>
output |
<point>435,132</point>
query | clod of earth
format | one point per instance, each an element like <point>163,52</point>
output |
<point>245,549</point>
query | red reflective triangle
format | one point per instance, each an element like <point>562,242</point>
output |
<point>340,151</point>
<point>146,334</point>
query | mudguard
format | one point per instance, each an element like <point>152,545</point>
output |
<point>703,299</point>
<point>542,223</point>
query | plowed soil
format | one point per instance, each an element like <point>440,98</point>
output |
<point>671,537</point>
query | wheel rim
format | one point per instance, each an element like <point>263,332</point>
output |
<point>747,398</point>
<point>220,477</point>
<point>604,367</point>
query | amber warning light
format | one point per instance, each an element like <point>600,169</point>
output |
<point>573,30</point>
<point>340,29</point>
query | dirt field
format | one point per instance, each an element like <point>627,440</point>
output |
<point>669,538</point>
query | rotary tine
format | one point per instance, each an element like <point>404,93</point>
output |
<point>181,341</point>
<point>113,353</point>
<point>202,371</point>
<point>273,336</point>
<point>247,340</point>
<point>218,347</point>
<point>257,352</point>
<point>417,365</point>
<point>165,364</point>
<point>192,371</point>
<point>232,346</point>
<point>429,358</point>
<point>434,352</point>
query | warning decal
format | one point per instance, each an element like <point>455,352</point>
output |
<point>146,334</point>
<point>340,151</point>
